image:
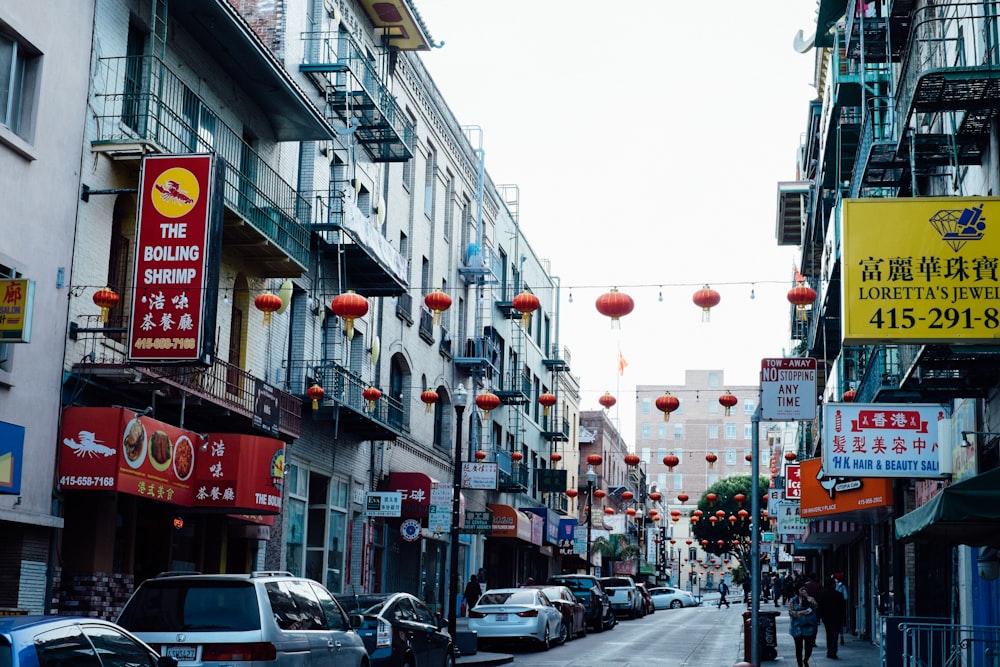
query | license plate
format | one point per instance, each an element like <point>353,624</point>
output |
<point>181,652</point>
<point>501,617</point>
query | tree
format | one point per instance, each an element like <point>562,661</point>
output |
<point>735,536</point>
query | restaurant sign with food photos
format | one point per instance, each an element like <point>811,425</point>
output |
<point>119,450</point>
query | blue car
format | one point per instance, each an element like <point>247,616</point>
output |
<point>47,641</point>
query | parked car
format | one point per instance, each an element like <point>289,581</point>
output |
<point>625,598</point>
<point>647,599</point>
<point>222,619</point>
<point>517,613</point>
<point>34,641</point>
<point>666,597</point>
<point>573,611</point>
<point>400,630</point>
<point>591,593</point>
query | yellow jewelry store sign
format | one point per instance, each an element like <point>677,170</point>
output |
<point>922,270</point>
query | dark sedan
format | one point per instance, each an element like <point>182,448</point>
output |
<point>399,629</point>
<point>573,611</point>
<point>31,641</point>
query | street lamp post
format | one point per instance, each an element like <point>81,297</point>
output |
<point>458,399</point>
<point>591,478</point>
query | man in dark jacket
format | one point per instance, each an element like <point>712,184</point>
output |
<point>833,613</point>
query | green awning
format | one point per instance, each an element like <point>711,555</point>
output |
<point>964,513</point>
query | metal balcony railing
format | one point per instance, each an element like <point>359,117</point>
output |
<point>346,389</point>
<point>426,326</point>
<point>404,307</point>
<point>140,104</point>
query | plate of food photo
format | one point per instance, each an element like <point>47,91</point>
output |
<point>134,443</point>
<point>183,457</point>
<point>161,451</point>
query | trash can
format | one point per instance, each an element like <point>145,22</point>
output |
<point>767,635</point>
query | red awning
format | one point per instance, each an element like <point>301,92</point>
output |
<point>828,531</point>
<point>415,488</point>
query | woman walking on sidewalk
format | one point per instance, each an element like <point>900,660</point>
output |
<point>803,626</point>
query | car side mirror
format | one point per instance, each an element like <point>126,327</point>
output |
<point>356,620</point>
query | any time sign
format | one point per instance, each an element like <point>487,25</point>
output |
<point>787,389</point>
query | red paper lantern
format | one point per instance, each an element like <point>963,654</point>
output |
<point>547,401</point>
<point>267,303</point>
<point>480,455</point>
<point>683,497</point>
<point>655,496</point>
<point>675,512</point>
<point>627,496</point>
<point>349,306</point>
<point>790,456</point>
<point>688,542</point>
<point>732,519</point>
<point>632,460</point>
<point>711,498</point>
<point>595,459</point>
<point>555,457</point>
<point>667,404</point>
<point>429,397</point>
<point>706,298</point>
<point>608,511</point>
<point>107,299</point>
<point>316,393</point>
<point>516,457</point>
<point>614,304</point>
<point>630,511</point>
<point>600,493</point>
<point>801,296</point>
<point>607,400</point>
<point>675,519</point>
<point>704,543</point>
<point>525,303</point>
<point>713,519</point>
<point>728,400</point>
<point>670,461</point>
<point>487,401</point>
<point>572,493</point>
<point>720,513</point>
<point>739,498</point>
<point>849,396</point>
<point>711,458</point>
<point>749,458</point>
<point>371,394</point>
<point>743,514</point>
<point>438,302</point>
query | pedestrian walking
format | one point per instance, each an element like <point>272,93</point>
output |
<point>746,590</point>
<point>472,593</point>
<point>838,578</point>
<point>776,589</point>
<point>803,625</point>
<point>723,594</point>
<point>833,613</point>
<point>788,588</point>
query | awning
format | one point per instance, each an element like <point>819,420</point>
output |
<point>550,525</point>
<point>967,512</point>
<point>415,488</point>
<point>508,522</point>
<point>825,532</point>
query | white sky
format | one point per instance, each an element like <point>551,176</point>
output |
<point>647,140</point>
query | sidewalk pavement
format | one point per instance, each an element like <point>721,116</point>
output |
<point>855,652</point>
<point>479,658</point>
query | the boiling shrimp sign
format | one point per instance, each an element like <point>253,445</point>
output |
<point>175,259</point>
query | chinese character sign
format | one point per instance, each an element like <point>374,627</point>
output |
<point>883,440</point>
<point>16,303</point>
<point>172,258</point>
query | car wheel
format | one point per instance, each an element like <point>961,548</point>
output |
<point>546,640</point>
<point>563,634</point>
<point>675,604</point>
<point>449,658</point>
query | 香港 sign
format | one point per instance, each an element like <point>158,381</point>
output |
<point>883,440</point>
<point>176,260</point>
<point>921,270</point>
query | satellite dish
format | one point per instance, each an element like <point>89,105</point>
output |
<point>376,347</point>
<point>285,294</point>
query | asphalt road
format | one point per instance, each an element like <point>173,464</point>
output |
<point>697,637</point>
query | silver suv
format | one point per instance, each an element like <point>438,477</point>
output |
<point>249,619</point>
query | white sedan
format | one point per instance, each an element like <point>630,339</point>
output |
<point>665,597</point>
<point>517,613</point>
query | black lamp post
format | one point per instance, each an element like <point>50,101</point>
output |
<point>458,400</point>
<point>591,478</point>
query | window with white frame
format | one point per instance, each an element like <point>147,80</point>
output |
<point>316,533</point>
<point>646,431</point>
<point>748,406</point>
<point>678,480</point>
<point>678,431</point>
<point>748,431</point>
<point>646,406</point>
<point>730,431</point>
<point>713,431</point>
<point>430,180</point>
<point>713,380</point>
<point>660,453</point>
<point>713,407</point>
<point>19,69</point>
<point>730,457</point>
<point>661,431</point>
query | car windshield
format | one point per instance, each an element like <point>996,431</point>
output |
<point>175,606</point>
<point>575,584</point>
<point>553,593</point>
<point>508,597</point>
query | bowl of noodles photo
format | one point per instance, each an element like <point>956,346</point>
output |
<point>134,443</point>
<point>161,451</point>
<point>183,458</point>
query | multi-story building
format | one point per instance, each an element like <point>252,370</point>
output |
<point>43,95</point>
<point>270,192</point>
<point>904,127</point>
